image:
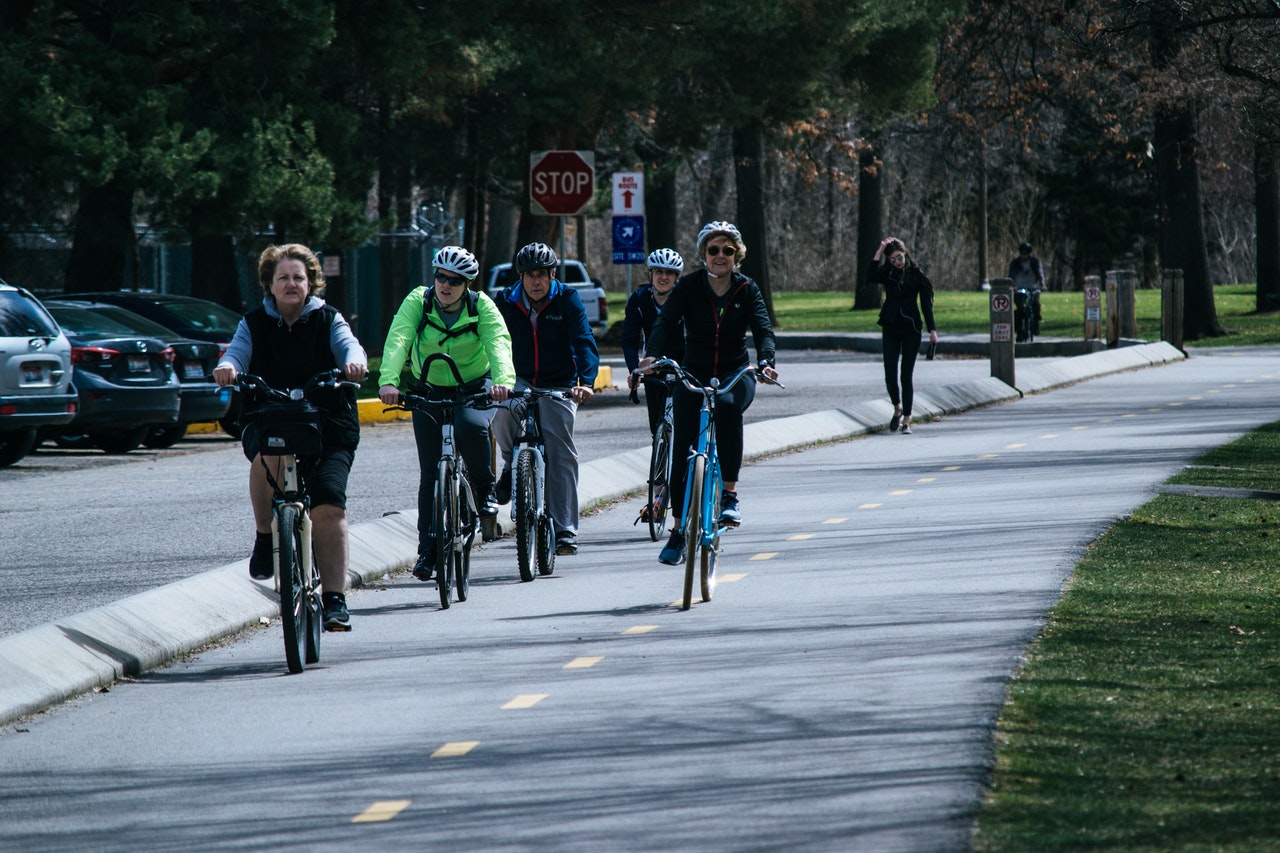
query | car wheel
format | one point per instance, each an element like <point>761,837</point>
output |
<point>73,442</point>
<point>158,438</point>
<point>15,445</point>
<point>231,426</point>
<point>120,442</point>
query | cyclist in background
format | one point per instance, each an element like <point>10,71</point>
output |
<point>290,337</point>
<point>553,349</point>
<point>449,317</point>
<point>709,312</point>
<point>665,266</point>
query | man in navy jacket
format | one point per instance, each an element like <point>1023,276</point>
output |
<point>553,349</point>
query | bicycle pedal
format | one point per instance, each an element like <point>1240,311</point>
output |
<point>727,523</point>
<point>337,629</point>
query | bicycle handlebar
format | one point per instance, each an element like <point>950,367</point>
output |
<point>323,379</point>
<point>533,393</point>
<point>410,401</point>
<point>693,384</point>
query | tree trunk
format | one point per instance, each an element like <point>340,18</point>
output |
<point>1182,241</point>
<point>866,297</point>
<point>713,196</point>
<point>104,251</point>
<point>500,235</point>
<point>749,174</point>
<point>1266,176</point>
<point>660,208</point>
<point>213,271</point>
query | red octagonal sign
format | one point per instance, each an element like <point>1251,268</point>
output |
<point>561,183</point>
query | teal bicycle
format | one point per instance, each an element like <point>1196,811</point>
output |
<point>702,527</point>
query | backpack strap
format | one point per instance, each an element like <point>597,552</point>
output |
<point>473,315</point>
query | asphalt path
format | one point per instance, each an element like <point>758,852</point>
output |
<point>79,528</point>
<point>839,693</point>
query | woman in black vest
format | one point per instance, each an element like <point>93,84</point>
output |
<point>289,338</point>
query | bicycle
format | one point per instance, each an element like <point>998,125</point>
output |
<point>535,532</point>
<point>702,527</point>
<point>1026,313</point>
<point>656,510</point>
<point>289,429</point>
<point>456,516</point>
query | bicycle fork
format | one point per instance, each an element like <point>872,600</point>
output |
<point>288,487</point>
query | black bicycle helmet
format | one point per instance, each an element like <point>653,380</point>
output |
<point>536,256</point>
<point>1024,246</point>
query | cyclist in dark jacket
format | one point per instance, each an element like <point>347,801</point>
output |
<point>713,308</point>
<point>665,265</point>
<point>553,349</point>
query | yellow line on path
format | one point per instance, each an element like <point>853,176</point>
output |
<point>383,810</point>
<point>835,521</point>
<point>766,555</point>
<point>799,537</point>
<point>729,578</point>
<point>524,700</point>
<point>455,748</point>
<point>900,492</point>
<point>869,506</point>
<point>583,663</point>
<point>640,629</point>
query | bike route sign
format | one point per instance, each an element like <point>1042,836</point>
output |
<point>628,239</point>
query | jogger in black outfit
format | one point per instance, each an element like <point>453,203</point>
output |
<point>907,292</point>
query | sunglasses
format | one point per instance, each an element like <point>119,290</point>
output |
<point>451,280</point>
<point>729,251</point>
<point>897,258</point>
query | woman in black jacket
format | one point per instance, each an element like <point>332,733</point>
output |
<point>907,293</point>
<point>713,308</point>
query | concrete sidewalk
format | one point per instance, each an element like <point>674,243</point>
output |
<point>46,665</point>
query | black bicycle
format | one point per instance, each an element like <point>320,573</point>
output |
<point>288,426</point>
<point>655,512</point>
<point>535,532</point>
<point>456,518</point>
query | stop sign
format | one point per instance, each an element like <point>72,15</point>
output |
<point>561,183</point>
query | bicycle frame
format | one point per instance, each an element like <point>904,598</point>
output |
<point>529,437</point>
<point>288,490</point>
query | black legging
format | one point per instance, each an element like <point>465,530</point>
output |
<point>686,411</point>
<point>470,439</point>
<point>905,343</point>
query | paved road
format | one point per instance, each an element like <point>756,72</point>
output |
<point>79,529</point>
<point>838,694</point>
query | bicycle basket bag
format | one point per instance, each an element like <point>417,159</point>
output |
<point>285,428</point>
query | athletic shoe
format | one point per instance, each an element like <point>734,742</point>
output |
<point>566,543</point>
<point>336,617</point>
<point>673,554</point>
<point>426,565</point>
<point>502,488</point>
<point>729,513</point>
<point>261,564</point>
<point>488,504</point>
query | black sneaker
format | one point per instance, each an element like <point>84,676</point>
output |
<point>336,617</point>
<point>261,564</point>
<point>426,565</point>
<point>502,488</point>
<point>673,553</point>
<point>488,503</point>
<point>729,513</point>
<point>566,543</point>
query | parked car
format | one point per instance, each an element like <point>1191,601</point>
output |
<point>571,273</point>
<point>189,317</point>
<point>200,398</point>
<point>125,381</point>
<point>35,373</point>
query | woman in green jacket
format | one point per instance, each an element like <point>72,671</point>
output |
<point>449,318</point>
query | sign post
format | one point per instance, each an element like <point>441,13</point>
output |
<point>561,183</point>
<point>1092,308</point>
<point>1002,330</point>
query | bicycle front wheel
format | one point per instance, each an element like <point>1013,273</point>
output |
<point>659,477</point>
<point>693,527</point>
<point>293,587</point>
<point>466,536</point>
<point>526,515</point>
<point>446,513</point>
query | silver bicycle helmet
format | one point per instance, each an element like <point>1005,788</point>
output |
<point>719,227</point>
<point>458,260</point>
<point>665,259</point>
<point>536,256</point>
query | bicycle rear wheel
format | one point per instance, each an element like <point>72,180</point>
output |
<point>693,528</point>
<point>659,477</point>
<point>446,530</point>
<point>526,515</point>
<point>293,588</point>
<point>466,536</point>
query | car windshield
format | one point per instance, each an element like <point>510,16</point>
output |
<point>85,323</point>
<point>22,317</point>
<point>136,322</point>
<point>205,316</point>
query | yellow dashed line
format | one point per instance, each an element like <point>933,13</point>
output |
<point>1155,409</point>
<point>524,700</point>
<point>1250,381</point>
<point>835,521</point>
<point>1173,405</point>
<point>383,810</point>
<point>1132,415</point>
<point>455,748</point>
<point>927,480</point>
<point>900,492</point>
<point>799,537</point>
<point>583,663</point>
<point>1195,397</point>
<point>729,578</point>
<point>1013,446</point>
<point>1214,391</point>
<point>765,555</point>
<point>952,468</point>
<point>1079,427</point>
<point>989,456</point>
<point>640,629</point>
<point>1050,435</point>
<point>1232,385</point>
<point>869,506</point>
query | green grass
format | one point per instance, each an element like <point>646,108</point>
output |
<point>1146,716</point>
<point>968,313</point>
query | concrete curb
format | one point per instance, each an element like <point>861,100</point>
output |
<point>44,666</point>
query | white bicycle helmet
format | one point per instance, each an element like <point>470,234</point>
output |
<point>458,260</point>
<point>536,256</point>
<point>665,259</point>
<point>719,227</point>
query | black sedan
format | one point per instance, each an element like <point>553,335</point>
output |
<point>186,315</point>
<point>126,382</point>
<point>201,398</point>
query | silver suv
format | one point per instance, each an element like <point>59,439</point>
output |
<point>35,373</point>
<point>571,274</point>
